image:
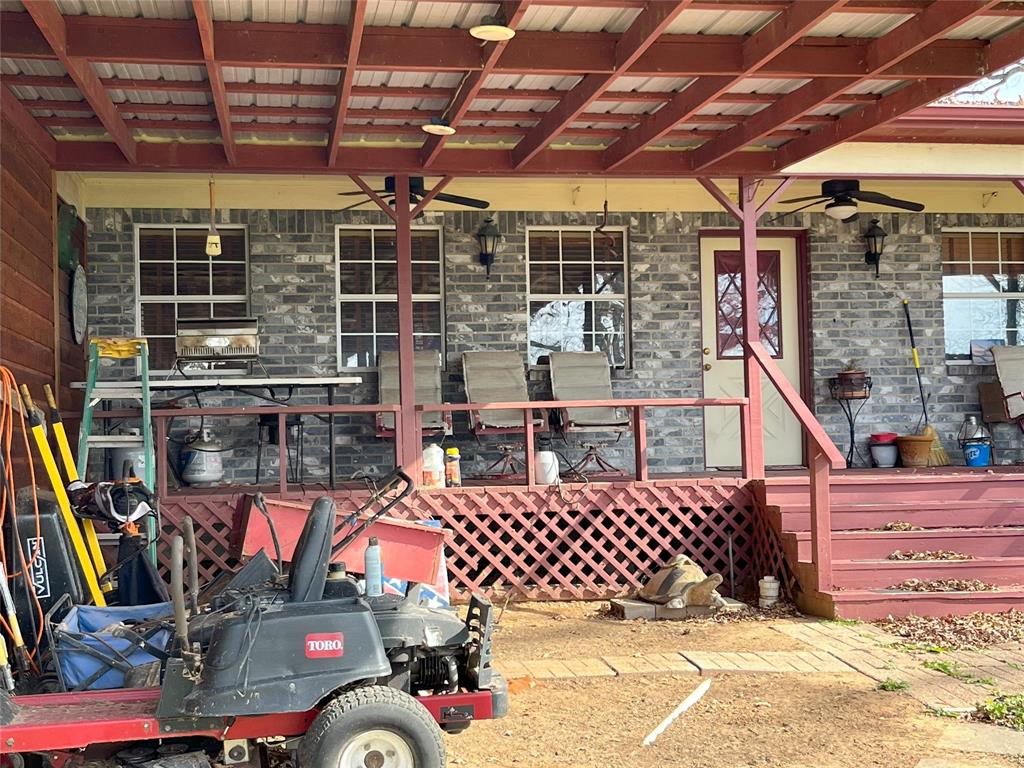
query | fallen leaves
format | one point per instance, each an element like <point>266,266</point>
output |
<point>899,525</point>
<point>944,585</point>
<point>975,630</point>
<point>929,554</point>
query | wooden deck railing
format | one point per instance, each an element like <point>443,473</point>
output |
<point>822,457</point>
<point>636,406</point>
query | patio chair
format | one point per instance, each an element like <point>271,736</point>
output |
<point>1010,372</point>
<point>428,390</point>
<point>587,376</point>
<point>497,377</point>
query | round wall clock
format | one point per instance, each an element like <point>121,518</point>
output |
<point>79,296</point>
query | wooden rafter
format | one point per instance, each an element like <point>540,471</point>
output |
<point>881,54</point>
<point>52,26</point>
<point>784,30</point>
<point>343,93</point>
<point>642,33</point>
<point>512,13</point>
<point>204,20</point>
<point>1001,52</point>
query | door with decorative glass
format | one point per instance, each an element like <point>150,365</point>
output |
<point>722,332</point>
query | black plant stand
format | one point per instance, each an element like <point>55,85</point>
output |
<point>851,402</point>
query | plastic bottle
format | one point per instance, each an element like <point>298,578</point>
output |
<point>433,466</point>
<point>373,569</point>
<point>452,468</point>
<point>546,463</point>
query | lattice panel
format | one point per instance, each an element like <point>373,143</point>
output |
<point>768,556</point>
<point>588,543</point>
<point>212,519</point>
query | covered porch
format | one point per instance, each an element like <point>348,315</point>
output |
<point>692,265</point>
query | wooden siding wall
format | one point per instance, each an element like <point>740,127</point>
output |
<point>27,268</point>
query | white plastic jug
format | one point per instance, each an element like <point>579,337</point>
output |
<point>545,463</point>
<point>433,466</point>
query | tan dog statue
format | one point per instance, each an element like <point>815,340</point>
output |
<point>680,583</point>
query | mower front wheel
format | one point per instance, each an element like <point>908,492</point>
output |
<point>373,727</point>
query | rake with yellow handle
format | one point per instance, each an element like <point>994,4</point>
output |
<point>85,562</point>
<point>937,456</point>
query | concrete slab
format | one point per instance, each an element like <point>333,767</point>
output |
<point>981,737</point>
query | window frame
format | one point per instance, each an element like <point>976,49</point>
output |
<point>968,294</point>
<point>440,297</point>
<point>177,298</point>
<point>592,297</point>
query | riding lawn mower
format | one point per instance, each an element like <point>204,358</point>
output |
<point>274,669</point>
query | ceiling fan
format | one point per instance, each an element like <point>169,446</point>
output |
<point>416,193</point>
<point>843,196</point>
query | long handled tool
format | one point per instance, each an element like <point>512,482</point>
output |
<point>20,651</point>
<point>85,562</point>
<point>61,436</point>
<point>937,457</point>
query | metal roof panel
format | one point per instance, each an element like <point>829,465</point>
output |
<point>985,28</point>
<point>858,24</point>
<point>32,67</point>
<point>695,22</point>
<point>767,85</point>
<point>569,18</point>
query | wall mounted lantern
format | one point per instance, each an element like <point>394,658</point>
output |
<point>488,236</point>
<point>875,239</point>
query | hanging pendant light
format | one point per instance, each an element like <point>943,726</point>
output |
<point>213,236</point>
<point>438,126</point>
<point>492,29</point>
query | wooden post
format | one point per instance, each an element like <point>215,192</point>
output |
<point>821,519</point>
<point>282,453</point>
<point>751,427</point>
<point>640,442</point>
<point>528,446</point>
<point>160,457</point>
<point>407,443</point>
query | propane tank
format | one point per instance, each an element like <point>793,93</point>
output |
<point>545,462</point>
<point>134,455</point>
<point>201,462</point>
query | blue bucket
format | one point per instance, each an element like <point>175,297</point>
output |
<point>978,454</point>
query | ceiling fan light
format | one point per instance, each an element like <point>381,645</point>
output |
<point>438,126</point>
<point>841,209</point>
<point>492,30</point>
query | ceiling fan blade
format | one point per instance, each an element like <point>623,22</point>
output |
<point>469,202</point>
<point>879,199</point>
<point>360,192</point>
<point>803,199</point>
<point>355,205</point>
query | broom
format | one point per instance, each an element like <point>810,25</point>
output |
<point>937,456</point>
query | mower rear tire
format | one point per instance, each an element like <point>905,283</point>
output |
<point>373,727</point>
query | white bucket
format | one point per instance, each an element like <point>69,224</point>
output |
<point>768,589</point>
<point>546,467</point>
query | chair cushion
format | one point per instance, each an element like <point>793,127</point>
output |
<point>496,377</point>
<point>1010,369</point>
<point>585,376</point>
<point>428,386</point>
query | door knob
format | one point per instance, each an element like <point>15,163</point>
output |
<point>707,366</point>
<point>707,350</point>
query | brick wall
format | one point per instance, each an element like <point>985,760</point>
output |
<point>852,315</point>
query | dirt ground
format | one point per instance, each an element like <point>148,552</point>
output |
<point>567,630</point>
<point>816,721</point>
<point>790,721</point>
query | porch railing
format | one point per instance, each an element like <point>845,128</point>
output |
<point>822,457</point>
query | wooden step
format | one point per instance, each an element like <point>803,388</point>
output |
<point>882,574</point>
<point>960,484</point>
<point>869,605</point>
<point>878,545</point>
<point>871,514</point>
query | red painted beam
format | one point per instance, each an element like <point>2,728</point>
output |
<point>204,158</point>
<point>1019,184</point>
<point>641,35</point>
<point>883,53</point>
<point>204,21</point>
<point>1000,53</point>
<point>343,94</point>
<point>30,128</point>
<point>51,25</point>
<point>512,12</point>
<point>784,30</point>
<point>154,41</point>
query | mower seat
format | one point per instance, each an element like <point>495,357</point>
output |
<point>307,576</point>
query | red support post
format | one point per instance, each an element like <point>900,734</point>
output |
<point>752,428</point>
<point>1019,184</point>
<point>161,457</point>
<point>821,520</point>
<point>409,447</point>
<point>528,449</point>
<point>640,443</point>
<point>282,453</point>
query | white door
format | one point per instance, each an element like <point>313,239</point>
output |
<point>722,321</point>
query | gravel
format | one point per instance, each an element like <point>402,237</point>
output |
<point>975,630</point>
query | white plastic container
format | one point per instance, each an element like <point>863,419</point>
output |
<point>433,466</point>
<point>545,464</point>
<point>768,589</point>
<point>884,454</point>
<point>201,461</point>
<point>373,569</point>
